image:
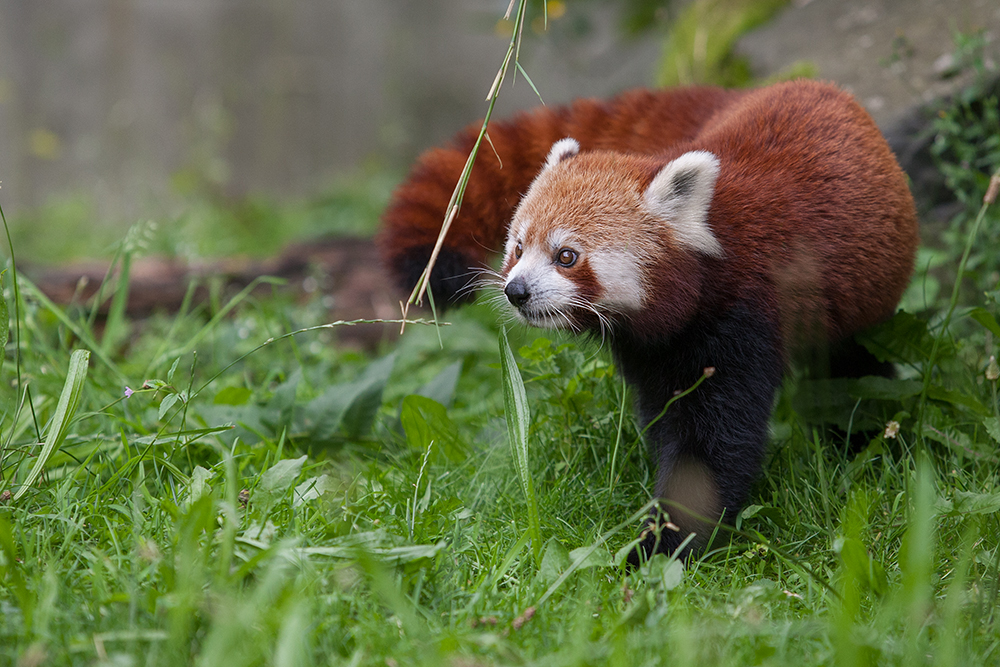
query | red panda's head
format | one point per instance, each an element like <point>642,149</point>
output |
<point>603,236</point>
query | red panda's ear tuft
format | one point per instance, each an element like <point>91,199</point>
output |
<point>562,149</point>
<point>681,194</point>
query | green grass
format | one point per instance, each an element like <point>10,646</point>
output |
<point>213,490</point>
<point>207,224</point>
<point>383,519</point>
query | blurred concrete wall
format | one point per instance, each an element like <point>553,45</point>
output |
<point>130,101</point>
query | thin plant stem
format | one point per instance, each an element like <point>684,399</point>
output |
<point>455,204</point>
<point>17,335</point>
<point>953,303</point>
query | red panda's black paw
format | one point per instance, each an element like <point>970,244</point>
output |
<point>451,277</point>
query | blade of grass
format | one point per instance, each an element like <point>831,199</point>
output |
<point>167,341</point>
<point>950,648</point>
<point>69,401</point>
<point>4,321</point>
<point>707,373</point>
<point>115,326</point>
<point>584,555</point>
<point>218,317</point>
<point>17,329</point>
<point>618,441</point>
<point>518,417</point>
<point>916,561</point>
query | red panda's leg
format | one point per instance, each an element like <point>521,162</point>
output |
<point>709,446</point>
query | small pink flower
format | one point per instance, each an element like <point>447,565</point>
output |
<point>128,391</point>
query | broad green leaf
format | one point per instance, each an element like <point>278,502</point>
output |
<point>966,502</point>
<point>391,556</point>
<point>279,477</point>
<point>280,409</point>
<point>985,318</point>
<point>955,440</point>
<point>760,512</point>
<point>748,512</point>
<point>442,387</point>
<point>672,574</point>
<point>232,396</point>
<point>360,414</point>
<point>347,409</point>
<point>660,568</point>
<point>199,483</point>
<point>902,339</point>
<point>957,398</point>
<point>424,421</point>
<point>555,561</point>
<point>173,369</point>
<point>590,557</point>
<point>992,425</point>
<point>884,388</point>
<point>313,488</point>
<point>69,401</point>
<point>865,569</point>
<point>168,402</point>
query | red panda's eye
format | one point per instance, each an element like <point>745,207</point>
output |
<point>566,257</point>
<point>518,250</point>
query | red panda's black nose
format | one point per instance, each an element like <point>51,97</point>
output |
<point>517,292</point>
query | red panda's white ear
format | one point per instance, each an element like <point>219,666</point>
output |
<point>561,150</point>
<point>681,193</point>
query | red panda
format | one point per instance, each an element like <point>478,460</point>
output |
<point>692,228</point>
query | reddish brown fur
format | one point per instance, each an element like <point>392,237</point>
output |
<point>640,121</point>
<point>801,166</point>
<point>817,231</point>
<point>807,178</point>
<point>607,186</point>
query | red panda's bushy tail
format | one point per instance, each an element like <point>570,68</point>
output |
<point>640,121</point>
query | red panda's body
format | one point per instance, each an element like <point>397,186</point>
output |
<point>695,228</point>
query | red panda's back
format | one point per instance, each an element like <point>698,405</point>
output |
<point>813,204</point>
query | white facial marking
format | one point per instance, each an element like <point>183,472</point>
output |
<point>551,292</point>
<point>618,273</point>
<point>560,238</point>
<point>561,150</point>
<point>681,194</point>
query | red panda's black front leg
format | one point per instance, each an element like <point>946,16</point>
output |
<point>709,445</point>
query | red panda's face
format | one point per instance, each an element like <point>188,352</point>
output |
<point>556,278</point>
<point>586,240</point>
